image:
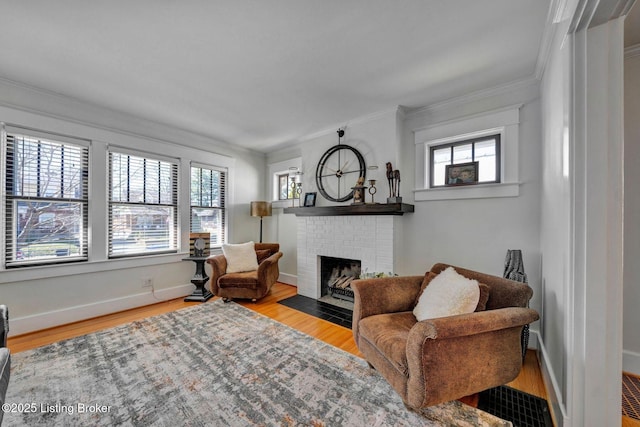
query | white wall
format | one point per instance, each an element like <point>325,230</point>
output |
<point>41,297</point>
<point>472,233</point>
<point>555,221</point>
<point>631,343</point>
<point>376,137</point>
<point>476,233</point>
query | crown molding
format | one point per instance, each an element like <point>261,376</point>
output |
<point>475,96</point>
<point>100,117</point>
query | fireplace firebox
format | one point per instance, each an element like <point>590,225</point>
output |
<point>336,275</point>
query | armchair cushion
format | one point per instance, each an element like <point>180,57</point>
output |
<point>240,257</point>
<point>245,279</point>
<point>448,294</point>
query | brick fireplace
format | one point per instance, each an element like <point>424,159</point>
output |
<point>371,239</point>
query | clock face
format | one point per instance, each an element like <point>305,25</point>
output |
<point>338,170</point>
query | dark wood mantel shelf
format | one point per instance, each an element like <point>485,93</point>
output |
<point>366,209</point>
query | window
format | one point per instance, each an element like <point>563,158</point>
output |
<point>285,189</point>
<point>490,138</point>
<point>143,205</point>
<point>46,200</point>
<point>484,150</point>
<point>208,202</point>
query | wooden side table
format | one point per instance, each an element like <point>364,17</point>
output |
<point>200,278</point>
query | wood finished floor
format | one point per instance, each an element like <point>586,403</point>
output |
<point>530,379</point>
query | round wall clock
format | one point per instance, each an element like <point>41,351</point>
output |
<point>338,170</point>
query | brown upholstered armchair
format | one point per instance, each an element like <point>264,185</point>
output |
<point>442,359</point>
<point>251,285</point>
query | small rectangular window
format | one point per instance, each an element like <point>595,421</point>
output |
<point>485,150</point>
<point>284,192</point>
<point>46,198</point>
<point>143,205</point>
<point>208,214</point>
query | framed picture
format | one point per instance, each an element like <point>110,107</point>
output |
<point>461,174</point>
<point>309,199</point>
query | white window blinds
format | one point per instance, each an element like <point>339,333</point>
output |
<point>46,202</point>
<point>143,200</point>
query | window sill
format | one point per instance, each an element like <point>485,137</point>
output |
<point>70,269</point>
<point>478,191</point>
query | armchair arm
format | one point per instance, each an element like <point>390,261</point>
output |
<point>383,295</point>
<point>456,356</point>
<point>268,270</point>
<point>218,265</point>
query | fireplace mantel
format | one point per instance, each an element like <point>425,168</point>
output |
<point>364,209</point>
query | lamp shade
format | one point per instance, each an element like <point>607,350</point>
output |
<point>261,209</point>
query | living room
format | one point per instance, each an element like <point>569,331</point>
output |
<point>571,235</point>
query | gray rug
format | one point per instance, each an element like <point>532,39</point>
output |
<point>212,364</point>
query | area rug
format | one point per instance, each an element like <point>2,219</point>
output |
<point>213,364</point>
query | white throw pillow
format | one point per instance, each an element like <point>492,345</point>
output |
<point>240,257</point>
<point>448,294</point>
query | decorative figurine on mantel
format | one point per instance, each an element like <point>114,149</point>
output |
<point>393,176</point>
<point>358,192</point>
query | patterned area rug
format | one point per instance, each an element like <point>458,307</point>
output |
<point>212,364</point>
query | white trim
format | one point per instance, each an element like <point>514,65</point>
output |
<point>504,121</point>
<point>280,168</point>
<point>26,324</point>
<point>70,269</point>
<point>478,191</point>
<point>554,394</point>
<point>289,279</point>
<point>460,101</point>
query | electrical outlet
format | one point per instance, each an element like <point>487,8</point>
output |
<point>147,282</point>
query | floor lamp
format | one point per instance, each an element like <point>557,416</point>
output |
<point>260,209</point>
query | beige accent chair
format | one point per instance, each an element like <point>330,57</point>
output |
<point>251,285</point>
<point>443,359</point>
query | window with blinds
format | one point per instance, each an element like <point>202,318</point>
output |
<point>46,202</point>
<point>143,205</point>
<point>208,202</point>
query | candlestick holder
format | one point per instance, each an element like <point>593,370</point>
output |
<point>372,189</point>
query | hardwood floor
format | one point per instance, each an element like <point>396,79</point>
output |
<point>530,379</point>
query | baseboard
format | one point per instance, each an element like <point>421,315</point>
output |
<point>289,279</point>
<point>554,395</point>
<point>631,362</point>
<point>36,322</point>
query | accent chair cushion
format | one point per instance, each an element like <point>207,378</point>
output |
<point>245,279</point>
<point>240,257</point>
<point>447,294</point>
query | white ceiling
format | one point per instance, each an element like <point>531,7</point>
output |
<point>262,73</point>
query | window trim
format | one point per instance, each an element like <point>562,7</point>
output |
<point>84,145</point>
<point>223,208</point>
<point>175,173</point>
<point>281,168</point>
<point>481,137</point>
<point>505,121</point>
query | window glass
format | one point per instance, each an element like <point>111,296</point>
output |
<point>484,151</point>
<point>208,203</point>
<point>46,200</point>
<point>142,205</point>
